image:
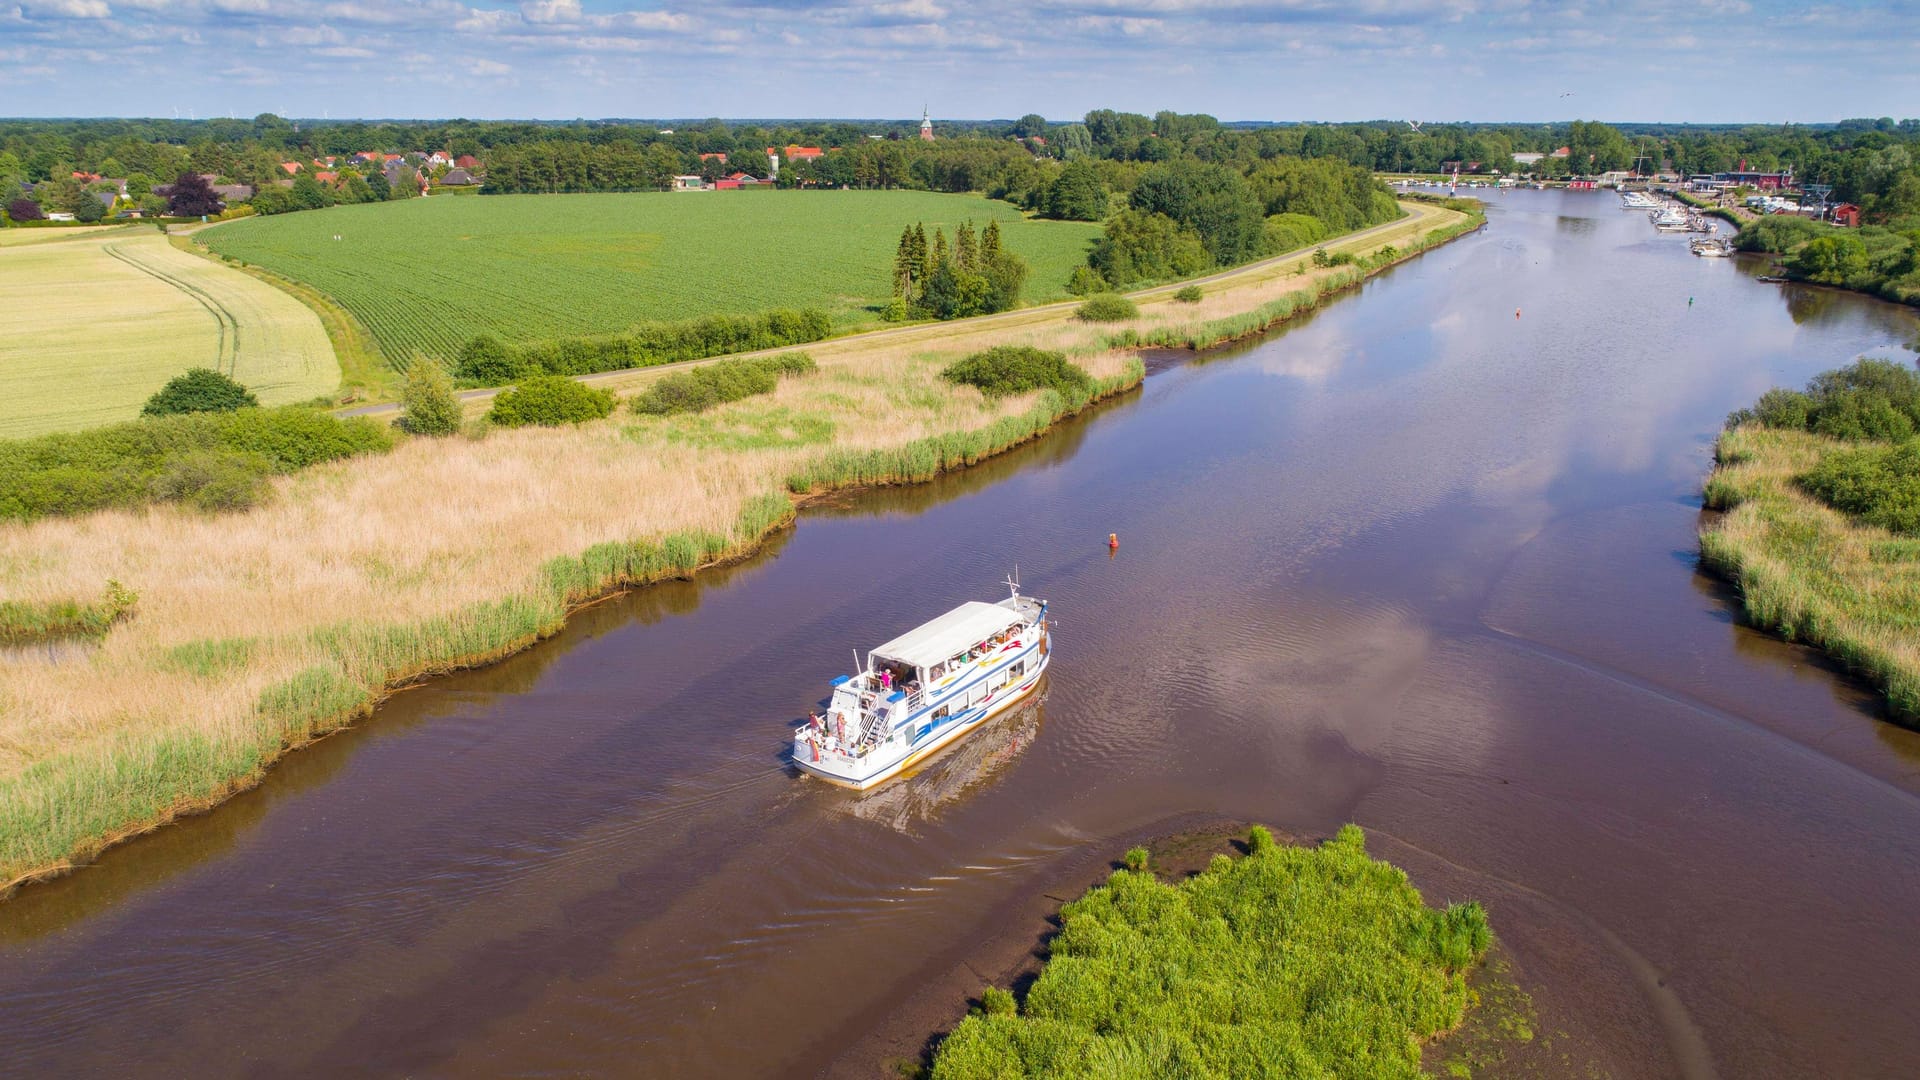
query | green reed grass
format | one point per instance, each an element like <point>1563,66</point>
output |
<point>24,622</point>
<point>1809,572</point>
<point>1287,962</point>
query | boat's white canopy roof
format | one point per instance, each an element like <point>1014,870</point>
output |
<point>962,628</point>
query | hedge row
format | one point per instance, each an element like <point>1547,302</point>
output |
<point>487,361</point>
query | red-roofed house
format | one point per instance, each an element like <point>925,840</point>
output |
<point>1846,215</point>
<point>290,167</point>
<point>326,177</point>
<point>367,155</point>
<point>89,177</point>
<point>804,153</point>
<point>721,158</point>
<point>1562,152</point>
<point>466,161</point>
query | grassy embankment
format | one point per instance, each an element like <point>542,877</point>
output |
<point>359,576</point>
<point>427,275</point>
<point>1288,961</point>
<point>96,320</point>
<point>1806,568</point>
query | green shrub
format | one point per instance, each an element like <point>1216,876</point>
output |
<point>997,1002</point>
<point>1287,962</point>
<point>199,390</point>
<point>1291,232</point>
<point>428,404</point>
<point>701,388</point>
<point>1006,370</point>
<point>1106,307</point>
<point>211,460</point>
<point>1880,485</point>
<point>484,361</point>
<point>1869,399</point>
<point>1189,295</point>
<point>1135,859</point>
<point>549,401</point>
<point>1085,281</point>
<point>213,480</point>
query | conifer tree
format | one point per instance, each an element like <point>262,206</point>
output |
<point>965,249</point>
<point>940,256</point>
<point>906,266</point>
<point>921,255</point>
<point>989,243</point>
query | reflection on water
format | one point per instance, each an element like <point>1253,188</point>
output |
<point>954,771</point>
<point>1415,562</point>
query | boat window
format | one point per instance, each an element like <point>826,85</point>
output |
<point>939,670</point>
<point>1017,670</point>
<point>1000,680</point>
<point>939,713</point>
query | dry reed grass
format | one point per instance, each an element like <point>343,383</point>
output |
<point>360,575</point>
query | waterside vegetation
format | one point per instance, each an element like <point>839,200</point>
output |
<point>1288,961</point>
<point>346,583</point>
<point>1821,533</point>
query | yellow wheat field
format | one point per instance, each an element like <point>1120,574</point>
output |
<point>96,320</point>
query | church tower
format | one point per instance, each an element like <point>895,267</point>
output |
<point>926,126</point>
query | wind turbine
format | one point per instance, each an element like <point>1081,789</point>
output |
<point>1414,124</point>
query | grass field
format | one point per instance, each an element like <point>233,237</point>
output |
<point>425,275</point>
<point>97,320</point>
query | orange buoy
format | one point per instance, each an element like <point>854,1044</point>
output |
<point>1113,540</point>
<point>1516,313</point>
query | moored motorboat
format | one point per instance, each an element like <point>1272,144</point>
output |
<point>924,689</point>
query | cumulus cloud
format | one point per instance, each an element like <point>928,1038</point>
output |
<point>1343,59</point>
<point>67,9</point>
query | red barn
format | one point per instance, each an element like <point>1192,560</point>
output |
<point>1847,215</point>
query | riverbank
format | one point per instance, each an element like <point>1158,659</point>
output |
<point>1809,572</point>
<point>363,577</point>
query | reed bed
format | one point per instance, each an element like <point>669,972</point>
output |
<point>1809,572</point>
<point>1287,961</point>
<point>257,632</point>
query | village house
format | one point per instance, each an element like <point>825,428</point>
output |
<point>689,183</point>
<point>457,177</point>
<point>1847,216</point>
<point>290,167</point>
<point>721,158</point>
<point>467,162</point>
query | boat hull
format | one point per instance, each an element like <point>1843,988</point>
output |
<point>1012,696</point>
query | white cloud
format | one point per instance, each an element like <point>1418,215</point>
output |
<point>551,11</point>
<point>67,9</point>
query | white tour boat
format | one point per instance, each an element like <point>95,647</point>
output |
<point>924,689</point>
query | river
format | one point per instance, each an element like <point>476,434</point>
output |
<point>1424,561</point>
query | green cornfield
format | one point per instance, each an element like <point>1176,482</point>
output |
<point>424,275</point>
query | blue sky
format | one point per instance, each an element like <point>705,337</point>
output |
<point>1710,60</point>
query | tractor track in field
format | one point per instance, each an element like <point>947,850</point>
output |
<point>227,350</point>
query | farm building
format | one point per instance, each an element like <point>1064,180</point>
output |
<point>458,178</point>
<point>1847,215</point>
<point>467,162</point>
<point>689,183</point>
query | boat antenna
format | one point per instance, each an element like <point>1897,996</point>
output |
<point>1013,580</point>
<point>858,667</point>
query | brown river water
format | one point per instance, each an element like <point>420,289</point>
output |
<point>1414,562</point>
